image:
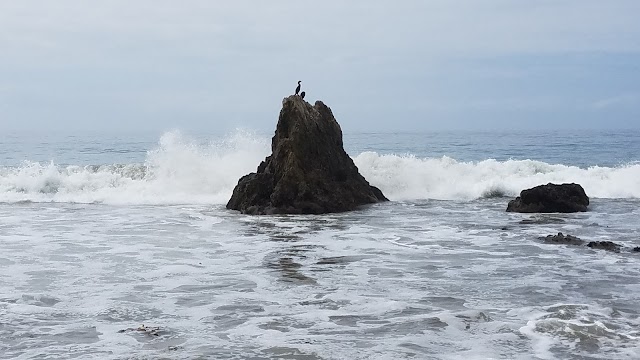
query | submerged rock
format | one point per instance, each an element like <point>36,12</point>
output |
<point>605,245</point>
<point>572,240</point>
<point>550,198</point>
<point>308,171</point>
<point>146,330</point>
<point>543,220</point>
<point>562,239</point>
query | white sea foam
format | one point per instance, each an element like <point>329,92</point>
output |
<point>177,171</point>
<point>408,177</point>
<point>578,327</point>
<point>180,170</point>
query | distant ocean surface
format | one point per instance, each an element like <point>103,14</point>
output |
<point>119,246</point>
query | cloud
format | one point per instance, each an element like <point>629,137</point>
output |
<point>624,100</point>
<point>408,59</point>
<point>412,26</point>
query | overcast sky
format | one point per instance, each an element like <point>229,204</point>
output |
<point>380,65</point>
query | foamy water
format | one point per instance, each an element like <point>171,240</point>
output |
<point>91,253</point>
<point>179,171</point>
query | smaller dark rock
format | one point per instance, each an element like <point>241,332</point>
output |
<point>636,249</point>
<point>550,198</point>
<point>605,245</point>
<point>562,239</point>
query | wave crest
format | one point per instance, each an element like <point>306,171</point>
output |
<point>180,170</point>
<point>410,178</point>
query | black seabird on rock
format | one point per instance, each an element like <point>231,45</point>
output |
<point>302,94</point>
<point>298,88</point>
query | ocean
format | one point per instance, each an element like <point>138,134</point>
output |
<point>119,246</point>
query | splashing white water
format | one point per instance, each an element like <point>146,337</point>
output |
<point>182,171</point>
<point>408,177</point>
<point>178,171</point>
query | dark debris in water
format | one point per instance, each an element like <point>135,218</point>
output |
<point>541,220</point>
<point>338,260</point>
<point>146,330</point>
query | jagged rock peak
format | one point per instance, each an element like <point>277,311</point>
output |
<point>308,171</point>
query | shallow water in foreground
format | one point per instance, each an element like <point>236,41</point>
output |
<point>421,279</point>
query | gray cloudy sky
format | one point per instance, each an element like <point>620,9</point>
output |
<point>380,65</point>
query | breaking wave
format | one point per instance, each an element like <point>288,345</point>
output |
<point>180,171</point>
<point>408,177</point>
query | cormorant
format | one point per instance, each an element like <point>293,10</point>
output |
<point>302,94</point>
<point>298,88</point>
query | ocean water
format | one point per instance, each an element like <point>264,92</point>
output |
<point>119,246</point>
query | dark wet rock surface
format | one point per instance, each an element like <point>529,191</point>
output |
<point>605,245</point>
<point>550,198</point>
<point>560,238</point>
<point>308,172</point>
<point>563,239</point>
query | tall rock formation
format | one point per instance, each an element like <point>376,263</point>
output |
<point>308,171</point>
